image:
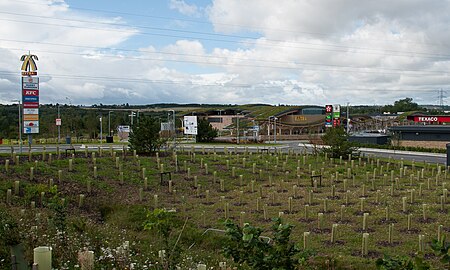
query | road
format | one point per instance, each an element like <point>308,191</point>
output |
<point>385,153</point>
<point>62,147</point>
<point>296,146</point>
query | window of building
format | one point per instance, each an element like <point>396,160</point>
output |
<point>215,119</point>
<point>313,111</point>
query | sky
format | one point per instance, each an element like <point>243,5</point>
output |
<point>292,52</point>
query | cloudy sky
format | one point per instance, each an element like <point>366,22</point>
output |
<point>228,51</point>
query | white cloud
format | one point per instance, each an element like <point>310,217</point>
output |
<point>298,52</point>
<point>184,8</point>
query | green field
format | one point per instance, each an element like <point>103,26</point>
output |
<point>208,187</point>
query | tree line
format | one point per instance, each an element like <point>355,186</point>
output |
<point>77,121</point>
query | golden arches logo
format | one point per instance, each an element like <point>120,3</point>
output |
<point>29,65</point>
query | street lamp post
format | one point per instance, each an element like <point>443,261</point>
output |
<point>221,121</point>
<point>20,123</point>
<point>20,127</point>
<point>101,130</point>
<point>172,126</point>
<point>237,128</point>
<point>132,115</point>
<point>109,123</point>
<point>59,127</point>
<point>275,129</point>
<point>348,118</point>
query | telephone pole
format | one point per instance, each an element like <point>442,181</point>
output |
<point>441,99</point>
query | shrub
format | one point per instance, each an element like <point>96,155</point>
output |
<point>245,246</point>
<point>144,137</point>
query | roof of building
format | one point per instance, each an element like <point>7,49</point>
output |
<point>422,128</point>
<point>299,108</point>
<point>366,135</point>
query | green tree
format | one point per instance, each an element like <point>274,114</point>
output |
<point>205,132</point>
<point>337,141</point>
<point>144,137</point>
<point>405,105</point>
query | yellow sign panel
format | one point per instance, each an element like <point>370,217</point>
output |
<point>300,118</point>
<point>29,65</point>
<point>31,117</point>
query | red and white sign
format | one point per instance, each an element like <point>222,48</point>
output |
<point>30,123</point>
<point>328,108</point>
<point>58,121</point>
<point>32,105</point>
<point>429,118</point>
<point>34,93</point>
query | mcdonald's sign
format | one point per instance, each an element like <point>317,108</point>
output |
<point>29,67</point>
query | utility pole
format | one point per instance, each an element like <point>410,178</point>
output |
<point>441,99</point>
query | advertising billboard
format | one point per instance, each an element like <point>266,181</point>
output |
<point>30,94</point>
<point>190,125</point>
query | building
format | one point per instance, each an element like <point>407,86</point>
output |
<point>221,120</point>
<point>369,138</point>
<point>293,124</point>
<point>427,136</point>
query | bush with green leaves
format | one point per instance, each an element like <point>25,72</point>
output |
<point>145,137</point>
<point>9,234</point>
<point>401,263</point>
<point>442,249</point>
<point>246,246</point>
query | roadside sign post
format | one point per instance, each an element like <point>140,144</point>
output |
<point>328,116</point>
<point>30,96</point>
<point>336,115</point>
<point>190,125</point>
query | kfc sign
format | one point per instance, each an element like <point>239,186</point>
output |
<point>34,93</point>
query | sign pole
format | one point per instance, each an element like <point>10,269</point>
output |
<point>59,127</point>
<point>20,127</point>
